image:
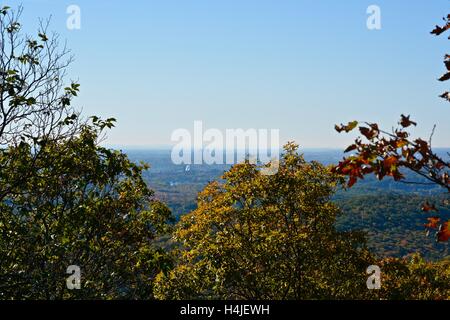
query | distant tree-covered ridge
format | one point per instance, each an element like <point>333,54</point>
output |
<point>388,211</point>
<point>274,237</point>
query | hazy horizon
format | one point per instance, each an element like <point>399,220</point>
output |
<point>297,66</point>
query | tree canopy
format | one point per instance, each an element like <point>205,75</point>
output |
<point>256,236</point>
<point>64,199</point>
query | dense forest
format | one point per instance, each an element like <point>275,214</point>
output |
<point>311,230</point>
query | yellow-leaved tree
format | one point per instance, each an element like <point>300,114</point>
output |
<point>256,236</point>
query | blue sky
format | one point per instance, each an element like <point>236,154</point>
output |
<point>297,66</point>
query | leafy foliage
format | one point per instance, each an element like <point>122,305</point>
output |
<point>385,153</point>
<point>414,279</point>
<point>83,205</point>
<point>35,102</point>
<point>267,237</point>
<point>64,200</point>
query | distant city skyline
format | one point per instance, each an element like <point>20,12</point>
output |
<point>297,66</point>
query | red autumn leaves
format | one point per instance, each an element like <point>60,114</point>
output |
<point>443,231</point>
<point>438,30</point>
<point>384,153</point>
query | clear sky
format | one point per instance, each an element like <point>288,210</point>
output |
<point>297,66</point>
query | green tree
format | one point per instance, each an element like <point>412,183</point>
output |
<point>84,205</point>
<point>35,100</point>
<point>256,236</point>
<point>64,199</point>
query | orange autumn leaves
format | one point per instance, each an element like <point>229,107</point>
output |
<point>433,222</point>
<point>443,230</point>
<point>446,76</point>
<point>384,153</point>
<point>443,233</point>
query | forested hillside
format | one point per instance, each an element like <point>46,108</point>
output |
<point>390,212</point>
<point>80,220</point>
